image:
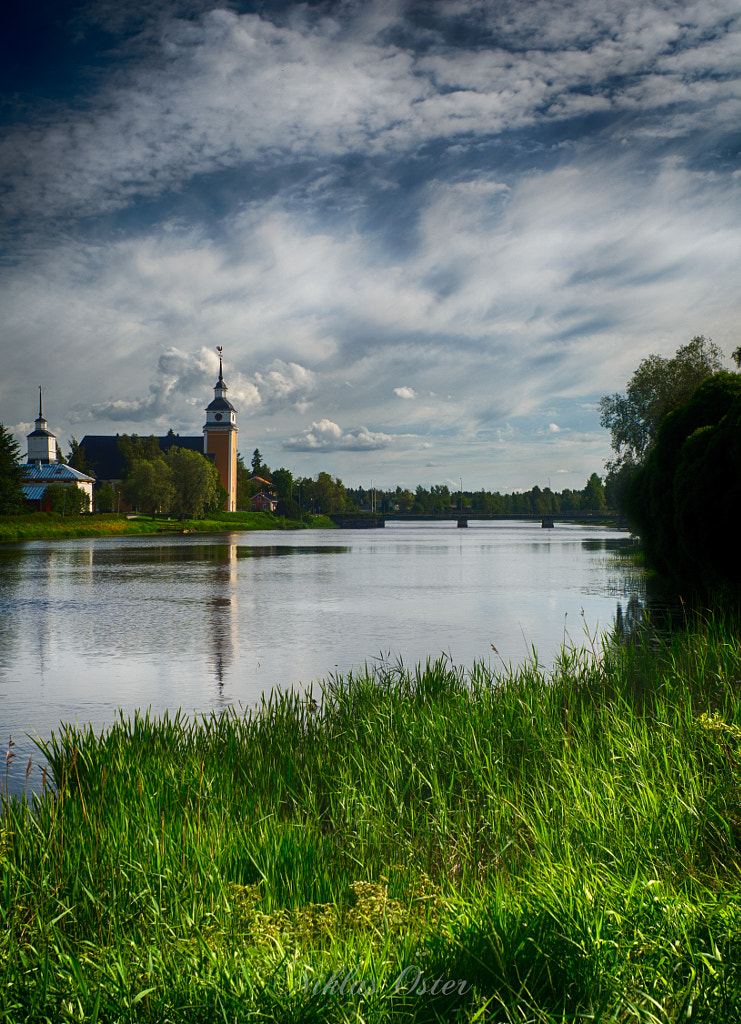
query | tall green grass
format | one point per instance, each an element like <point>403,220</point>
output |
<point>402,844</point>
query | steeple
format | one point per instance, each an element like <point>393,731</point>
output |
<point>42,444</point>
<point>220,387</point>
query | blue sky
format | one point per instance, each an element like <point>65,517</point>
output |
<point>429,236</point>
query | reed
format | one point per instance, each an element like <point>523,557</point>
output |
<point>399,844</point>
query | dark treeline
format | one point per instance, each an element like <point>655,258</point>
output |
<point>327,494</point>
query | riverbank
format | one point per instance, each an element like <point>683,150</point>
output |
<point>54,526</point>
<point>406,845</point>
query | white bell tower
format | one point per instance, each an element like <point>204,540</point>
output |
<point>42,444</point>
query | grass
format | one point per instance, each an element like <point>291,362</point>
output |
<point>401,845</point>
<point>54,526</point>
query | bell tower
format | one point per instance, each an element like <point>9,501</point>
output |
<point>42,444</point>
<point>220,437</point>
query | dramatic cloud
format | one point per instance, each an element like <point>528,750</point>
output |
<point>325,435</point>
<point>503,206</point>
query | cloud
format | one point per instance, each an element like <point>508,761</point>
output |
<point>285,384</point>
<point>224,91</point>
<point>325,435</point>
<point>510,204</point>
<point>183,380</point>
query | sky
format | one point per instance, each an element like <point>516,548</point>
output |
<point>429,236</point>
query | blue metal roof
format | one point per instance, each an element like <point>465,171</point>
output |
<point>33,493</point>
<point>51,471</point>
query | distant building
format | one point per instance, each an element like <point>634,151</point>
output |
<point>218,443</point>
<point>42,467</point>
<point>263,502</point>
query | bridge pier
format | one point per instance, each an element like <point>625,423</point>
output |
<point>547,522</point>
<point>462,522</point>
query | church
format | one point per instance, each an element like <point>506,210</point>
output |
<point>218,442</point>
<point>107,464</point>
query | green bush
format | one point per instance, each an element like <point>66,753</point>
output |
<point>70,501</point>
<point>684,501</point>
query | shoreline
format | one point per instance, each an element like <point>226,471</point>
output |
<point>17,529</point>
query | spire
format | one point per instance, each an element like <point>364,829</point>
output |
<point>220,382</point>
<point>42,444</point>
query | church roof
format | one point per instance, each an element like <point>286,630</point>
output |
<point>50,472</point>
<point>220,403</point>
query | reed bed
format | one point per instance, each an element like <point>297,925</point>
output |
<point>399,845</point>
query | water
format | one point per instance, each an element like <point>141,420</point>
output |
<point>201,622</point>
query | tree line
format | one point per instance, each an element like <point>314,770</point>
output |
<point>327,494</point>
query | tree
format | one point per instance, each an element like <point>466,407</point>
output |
<point>593,495</point>
<point>684,502</point>
<point>324,494</point>
<point>133,448</point>
<point>258,466</point>
<point>617,483</point>
<point>77,458</point>
<point>105,498</point>
<point>150,485</point>
<point>69,500</point>
<point>11,474</point>
<point>197,485</point>
<point>246,487</point>
<point>656,388</point>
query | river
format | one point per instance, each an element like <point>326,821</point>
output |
<point>205,621</point>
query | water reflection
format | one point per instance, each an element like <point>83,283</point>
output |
<point>222,615</point>
<point>90,626</point>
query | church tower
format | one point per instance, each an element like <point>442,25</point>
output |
<point>42,444</point>
<point>220,438</point>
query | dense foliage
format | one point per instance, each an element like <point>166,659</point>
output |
<point>178,480</point>
<point>684,502</point>
<point>70,501</point>
<point>656,388</point>
<point>11,474</point>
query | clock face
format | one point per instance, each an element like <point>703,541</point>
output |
<point>218,416</point>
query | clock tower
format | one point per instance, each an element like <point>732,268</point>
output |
<point>220,438</point>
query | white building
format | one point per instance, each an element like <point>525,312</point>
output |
<point>42,467</point>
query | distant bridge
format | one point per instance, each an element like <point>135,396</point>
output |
<point>373,520</point>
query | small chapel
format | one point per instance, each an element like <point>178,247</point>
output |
<point>43,468</point>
